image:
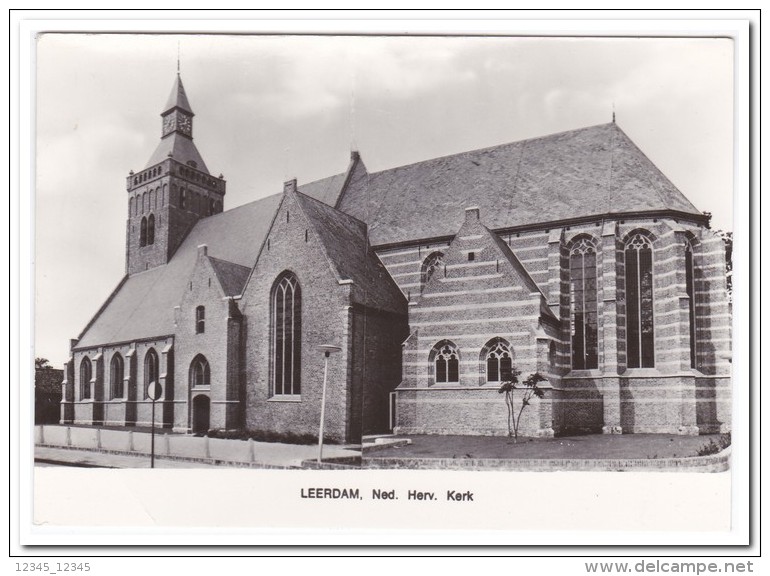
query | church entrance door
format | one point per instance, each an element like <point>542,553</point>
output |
<point>201,414</point>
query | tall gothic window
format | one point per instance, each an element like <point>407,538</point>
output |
<point>432,263</point>
<point>498,359</point>
<point>583,304</point>
<point>689,263</point>
<point>286,335</point>
<point>200,374</point>
<point>446,363</point>
<point>150,370</point>
<point>85,378</point>
<point>151,229</point>
<point>143,232</point>
<point>116,376</point>
<point>640,337</point>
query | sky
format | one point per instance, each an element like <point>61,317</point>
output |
<point>272,108</point>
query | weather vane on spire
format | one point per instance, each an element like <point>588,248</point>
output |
<point>177,57</point>
<point>613,111</point>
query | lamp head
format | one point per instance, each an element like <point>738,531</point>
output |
<point>329,349</point>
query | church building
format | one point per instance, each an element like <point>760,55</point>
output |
<point>570,255</point>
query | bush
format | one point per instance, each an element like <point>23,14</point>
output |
<point>715,447</point>
<point>267,436</point>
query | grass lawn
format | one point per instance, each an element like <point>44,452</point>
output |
<point>594,446</point>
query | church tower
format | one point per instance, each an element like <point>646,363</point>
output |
<point>172,192</point>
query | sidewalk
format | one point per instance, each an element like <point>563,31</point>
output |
<point>266,455</point>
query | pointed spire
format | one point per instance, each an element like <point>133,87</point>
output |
<point>178,97</point>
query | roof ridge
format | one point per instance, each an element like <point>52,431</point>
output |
<point>486,148</point>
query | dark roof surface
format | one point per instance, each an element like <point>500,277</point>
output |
<point>232,277</point>
<point>346,245</point>
<point>591,171</point>
<point>181,148</point>
<point>326,190</point>
<point>143,306</point>
<point>178,97</point>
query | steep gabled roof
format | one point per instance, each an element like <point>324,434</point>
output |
<point>345,242</point>
<point>232,277</point>
<point>326,190</point>
<point>143,305</point>
<point>586,172</point>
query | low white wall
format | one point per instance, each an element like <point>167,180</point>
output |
<point>140,442</point>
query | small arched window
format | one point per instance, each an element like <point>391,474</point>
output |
<point>286,331</point>
<point>150,370</point>
<point>583,304</point>
<point>151,229</point>
<point>116,376</point>
<point>640,329</point>
<point>183,198</point>
<point>145,205</point>
<point>85,378</point>
<point>432,263</point>
<point>200,320</point>
<point>200,374</point>
<point>143,232</point>
<point>131,206</point>
<point>498,360</point>
<point>445,361</point>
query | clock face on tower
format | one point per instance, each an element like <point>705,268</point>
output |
<point>169,123</point>
<point>184,124</point>
<point>177,121</point>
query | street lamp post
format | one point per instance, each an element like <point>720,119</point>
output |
<point>328,350</point>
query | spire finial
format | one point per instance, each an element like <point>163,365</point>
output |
<point>177,57</point>
<point>613,111</point>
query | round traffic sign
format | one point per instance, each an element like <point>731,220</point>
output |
<point>154,390</point>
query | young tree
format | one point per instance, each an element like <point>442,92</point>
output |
<point>530,388</point>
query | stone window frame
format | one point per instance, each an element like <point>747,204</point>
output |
<point>200,319</point>
<point>438,353</point>
<point>640,239</point>
<point>692,265</point>
<point>117,368</point>
<point>86,371</point>
<point>200,372</point>
<point>585,244</point>
<point>287,283</point>
<point>151,368</point>
<point>494,344</point>
<point>430,265</point>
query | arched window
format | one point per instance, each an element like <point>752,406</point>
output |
<point>85,378</point>
<point>432,263</point>
<point>583,305</point>
<point>445,361</point>
<point>640,337</point>
<point>116,376</point>
<point>183,199</point>
<point>200,320</point>
<point>131,206</point>
<point>163,195</point>
<point>497,357</point>
<point>151,229</point>
<point>151,200</point>
<point>145,205</point>
<point>143,232</point>
<point>689,262</point>
<point>200,374</point>
<point>150,370</point>
<point>286,335</point>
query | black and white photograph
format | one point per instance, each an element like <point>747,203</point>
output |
<point>381,272</point>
